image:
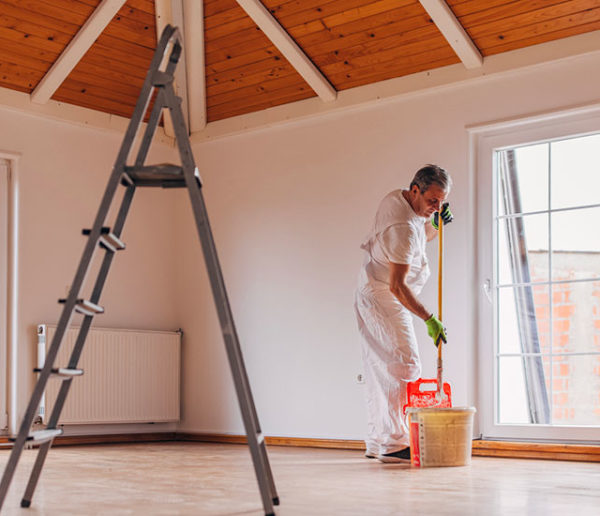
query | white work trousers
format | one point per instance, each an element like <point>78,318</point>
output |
<point>391,360</point>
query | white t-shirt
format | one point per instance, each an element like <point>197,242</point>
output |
<point>398,236</point>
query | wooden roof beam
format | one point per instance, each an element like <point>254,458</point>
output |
<point>75,50</point>
<point>288,47</point>
<point>454,33</point>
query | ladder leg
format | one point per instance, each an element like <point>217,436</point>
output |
<point>242,386</point>
<point>77,350</point>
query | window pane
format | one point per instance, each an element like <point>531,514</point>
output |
<point>527,248</point>
<point>529,184</point>
<point>575,171</point>
<point>575,244</point>
<point>523,319</point>
<point>576,390</point>
<point>576,317</point>
<point>513,403</point>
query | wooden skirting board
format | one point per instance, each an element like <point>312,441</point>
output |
<point>522,450</point>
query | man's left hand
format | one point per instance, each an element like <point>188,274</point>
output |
<point>446,215</point>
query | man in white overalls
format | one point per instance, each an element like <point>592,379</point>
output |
<point>392,276</point>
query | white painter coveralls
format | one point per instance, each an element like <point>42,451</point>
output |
<point>390,353</point>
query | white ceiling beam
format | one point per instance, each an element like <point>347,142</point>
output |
<point>288,47</point>
<point>454,33</point>
<point>193,31</point>
<point>75,50</point>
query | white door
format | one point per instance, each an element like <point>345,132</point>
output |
<point>538,191</point>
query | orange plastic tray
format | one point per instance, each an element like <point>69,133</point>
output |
<point>423,393</point>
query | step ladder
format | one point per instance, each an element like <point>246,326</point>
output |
<point>160,79</point>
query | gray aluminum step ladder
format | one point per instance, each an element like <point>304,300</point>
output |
<point>159,78</point>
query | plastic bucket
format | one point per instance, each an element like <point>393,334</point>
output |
<point>440,436</point>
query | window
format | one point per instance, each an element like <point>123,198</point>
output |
<point>540,263</point>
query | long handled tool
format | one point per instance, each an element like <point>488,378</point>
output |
<point>432,392</point>
<point>440,367</point>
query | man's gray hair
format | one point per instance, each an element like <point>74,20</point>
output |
<point>431,175</point>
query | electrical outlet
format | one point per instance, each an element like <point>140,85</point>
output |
<point>360,378</point>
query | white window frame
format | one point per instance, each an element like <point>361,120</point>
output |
<point>9,274</point>
<point>485,140</point>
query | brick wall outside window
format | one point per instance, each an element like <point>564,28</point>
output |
<point>575,380</point>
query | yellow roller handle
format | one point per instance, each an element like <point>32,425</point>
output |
<point>440,377</point>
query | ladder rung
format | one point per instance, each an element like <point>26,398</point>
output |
<point>108,240</point>
<point>42,436</point>
<point>61,372</point>
<point>165,175</point>
<point>85,307</point>
<point>112,242</point>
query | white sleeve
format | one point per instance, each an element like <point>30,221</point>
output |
<point>398,243</point>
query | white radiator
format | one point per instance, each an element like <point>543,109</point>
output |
<point>130,376</point>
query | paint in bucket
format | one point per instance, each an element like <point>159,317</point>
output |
<point>440,436</point>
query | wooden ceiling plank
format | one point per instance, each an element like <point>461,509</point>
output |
<point>491,14</point>
<point>92,102</point>
<point>354,33</point>
<point>34,23</point>
<point>399,72</point>
<point>393,51</point>
<point>401,32</point>
<point>543,15</point>
<point>302,14</point>
<point>231,76</point>
<point>395,68</point>
<point>255,89</point>
<point>245,95</point>
<point>545,37</point>
<point>400,35</point>
<point>512,38</point>
<point>454,33</point>
<point>288,47</point>
<point>75,50</point>
<point>250,41</point>
<point>193,30</point>
<point>212,8</point>
<point>270,54</point>
<point>219,113</point>
<point>141,5</point>
<point>19,75</point>
<point>259,78</point>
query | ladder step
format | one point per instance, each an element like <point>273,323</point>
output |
<point>85,307</point>
<point>164,175</point>
<point>61,372</point>
<point>41,436</point>
<point>108,240</point>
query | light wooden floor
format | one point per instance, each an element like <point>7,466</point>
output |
<point>216,479</point>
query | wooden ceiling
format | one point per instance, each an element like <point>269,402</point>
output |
<point>351,42</point>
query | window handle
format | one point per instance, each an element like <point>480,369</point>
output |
<point>487,288</point>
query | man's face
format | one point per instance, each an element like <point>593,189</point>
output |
<point>426,204</point>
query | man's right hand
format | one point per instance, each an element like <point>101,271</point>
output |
<point>435,329</point>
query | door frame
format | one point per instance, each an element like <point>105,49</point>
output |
<point>484,141</point>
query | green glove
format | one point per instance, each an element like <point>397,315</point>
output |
<point>436,330</point>
<point>446,215</point>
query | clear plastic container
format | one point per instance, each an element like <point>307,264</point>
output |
<point>440,436</point>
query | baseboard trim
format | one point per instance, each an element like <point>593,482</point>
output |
<point>304,442</point>
<point>480,448</point>
<point>74,440</point>
<point>527,450</point>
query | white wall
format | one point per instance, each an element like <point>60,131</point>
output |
<point>62,174</point>
<point>289,206</point>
